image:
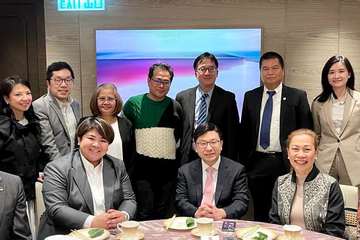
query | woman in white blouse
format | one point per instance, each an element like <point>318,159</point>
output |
<point>336,115</point>
<point>106,103</point>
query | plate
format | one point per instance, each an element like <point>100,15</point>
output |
<point>83,234</point>
<point>251,232</point>
<point>196,233</point>
<point>179,223</point>
<point>60,237</point>
<point>139,235</point>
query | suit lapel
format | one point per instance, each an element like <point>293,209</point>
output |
<point>283,110</point>
<point>55,106</point>
<point>212,103</point>
<point>327,111</point>
<point>222,174</point>
<point>196,175</point>
<point>109,180</point>
<point>2,200</point>
<point>76,110</point>
<point>79,175</point>
<point>191,112</point>
<point>350,103</point>
<point>257,107</point>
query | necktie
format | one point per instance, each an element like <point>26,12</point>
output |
<point>266,121</point>
<point>202,110</point>
<point>209,187</point>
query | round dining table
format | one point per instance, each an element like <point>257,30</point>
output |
<point>155,229</point>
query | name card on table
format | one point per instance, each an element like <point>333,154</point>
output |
<point>81,5</point>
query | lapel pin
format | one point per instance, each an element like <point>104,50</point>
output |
<point>284,98</point>
<point>1,189</point>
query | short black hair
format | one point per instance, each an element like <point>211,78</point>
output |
<point>271,55</point>
<point>205,55</point>
<point>57,66</point>
<point>204,128</point>
<point>161,66</point>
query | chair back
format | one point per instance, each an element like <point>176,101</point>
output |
<point>351,203</point>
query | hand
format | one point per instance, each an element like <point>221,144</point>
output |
<point>115,217</point>
<point>100,221</point>
<point>218,213</point>
<point>204,211</point>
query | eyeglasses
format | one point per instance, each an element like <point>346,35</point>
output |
<point>211,69</point>
<point>104,99</point>
<point>159,81</point>
<point>204,144</point>
<point>59,81</point>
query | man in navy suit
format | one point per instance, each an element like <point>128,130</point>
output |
<point>270,113</point>
<point>212,186</point>
<point>221,109</point>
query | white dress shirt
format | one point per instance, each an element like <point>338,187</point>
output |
<point>115,148</point>
<point>204,175</point>
<point>337,113</point>
<point>275,121</point>
<point>199,93</point>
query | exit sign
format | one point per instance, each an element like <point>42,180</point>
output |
<point>81,5</point>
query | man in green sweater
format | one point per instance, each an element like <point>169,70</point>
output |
<point>157,122</point>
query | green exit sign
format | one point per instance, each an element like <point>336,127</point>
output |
<point>81,5</point>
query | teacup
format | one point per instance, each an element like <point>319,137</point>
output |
<point>292,232</point>
<point>205,226</point>
<point>129,229</point>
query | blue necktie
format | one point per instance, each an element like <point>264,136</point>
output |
<point>202,110</point>
<point>266,121</point>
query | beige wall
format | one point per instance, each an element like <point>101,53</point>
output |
<point>305,32</point>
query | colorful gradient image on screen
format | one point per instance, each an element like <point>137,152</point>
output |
<point>123,57</point>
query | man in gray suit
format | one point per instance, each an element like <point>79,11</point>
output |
<point>212,186</point>
<point>57,111</point>
<point>14,222</point>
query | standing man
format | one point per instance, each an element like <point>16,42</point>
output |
<point>208,103</point>
<point>269,114</point>
<point>14,222</point>
<point>212,186</point>
<point>57,111</point>
<point>157,121</point>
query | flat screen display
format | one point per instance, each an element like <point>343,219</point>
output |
<point>123,57</point>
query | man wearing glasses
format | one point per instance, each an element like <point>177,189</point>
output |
<point>212,186</point>
<point>208,103</point>
<point>157,121</point>
<point>57,111</point>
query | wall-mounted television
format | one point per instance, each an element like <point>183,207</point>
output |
<point>123,57</point>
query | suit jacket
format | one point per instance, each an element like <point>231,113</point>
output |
<point>68,198</point>
<point>294,114</point>
<point>14,224</point>
<point>128,143</point>
<point>347,141</point>
<point>223,112</point>
<point>55,137</point>
<point>231,192</point>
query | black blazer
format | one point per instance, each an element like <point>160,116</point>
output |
<point>294,114</point>
<point>231,192</point>
<point>222,111</point>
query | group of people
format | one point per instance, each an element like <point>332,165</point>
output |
<point>154,155</point>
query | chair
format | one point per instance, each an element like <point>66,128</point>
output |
<point>39,203</point>
<point>351,199</point>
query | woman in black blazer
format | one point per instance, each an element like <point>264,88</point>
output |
<point>107,104</point>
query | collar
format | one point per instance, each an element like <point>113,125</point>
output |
<point>88,166</point>
<point>199,90</point>
<point>313,173</point>
<point>60,103</point>
<point>215,165</point>
<point>277,89</point>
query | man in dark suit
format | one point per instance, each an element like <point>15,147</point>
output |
<point>14,222</point>
<point>212,186</point>
<point>269,114</point>
<point>219,105</point>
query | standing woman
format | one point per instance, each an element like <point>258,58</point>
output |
<point>20,152</point>
<point>106,103</point>
<point>336,115</point>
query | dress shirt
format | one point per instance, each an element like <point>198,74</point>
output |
<point>337,113</point>
<point>69,117</point>
<point>275,120</point>
<point>297,208</point>
<point>199,93</point>
<point>23,121</point>
<point>115,148</point>
<point>204,175</point>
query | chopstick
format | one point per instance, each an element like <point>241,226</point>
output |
<point>170,222</point>
<point>78,235</point>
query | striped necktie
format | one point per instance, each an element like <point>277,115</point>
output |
<point>266,121</point>
<point>202,110</point>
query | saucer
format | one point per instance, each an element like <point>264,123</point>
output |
<point>196,232</point>
<point>139,235</point>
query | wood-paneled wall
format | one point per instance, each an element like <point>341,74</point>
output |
<point>305,32</point>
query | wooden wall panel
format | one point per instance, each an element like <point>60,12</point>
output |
<point>305,32</point>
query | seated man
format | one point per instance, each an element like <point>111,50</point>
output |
<point>14,223</point>
<point>212,186</point>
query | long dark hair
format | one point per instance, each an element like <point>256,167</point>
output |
<point>6,86</point>
<point>327,90</point>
